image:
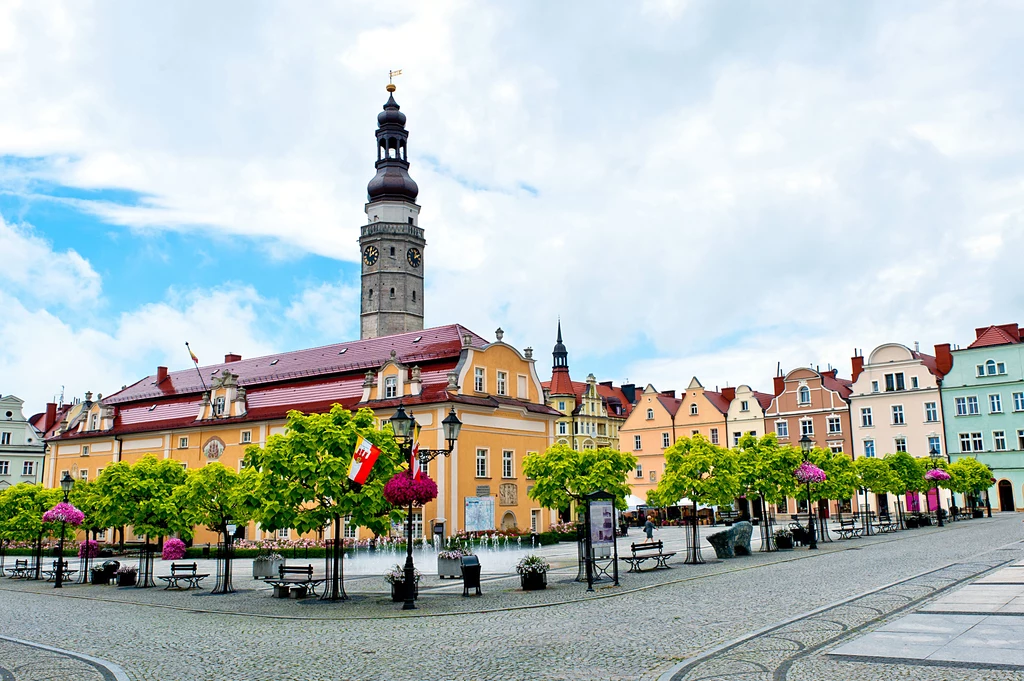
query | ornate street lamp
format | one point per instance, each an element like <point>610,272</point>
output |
<point>66,483</point>
<point>404,426</point>
<point>806,445</point>
<point>934,454</point>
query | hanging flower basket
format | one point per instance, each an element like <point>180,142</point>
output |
<point>174,549</point>
<point>936,475</point>
<point>402,489</point>
<point>808,472</point>
<point>64,513</point>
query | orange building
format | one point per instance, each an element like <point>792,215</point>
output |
<point>703,412</point>
<point>647,433</point>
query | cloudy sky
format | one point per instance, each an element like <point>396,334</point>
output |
<point>697,188</point>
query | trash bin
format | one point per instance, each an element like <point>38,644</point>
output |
<point>470,574</point>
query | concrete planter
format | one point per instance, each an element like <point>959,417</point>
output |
<point>449,567</point>
<point>264,569</point>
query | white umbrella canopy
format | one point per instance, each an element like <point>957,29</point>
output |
<point>633,501</point>
<point>686,502</point>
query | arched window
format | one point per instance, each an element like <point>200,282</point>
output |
<point>693,409</point>
<point>370,296</point>
<point>650,414</point>
<point>990,367</point>
<point>804,395</point>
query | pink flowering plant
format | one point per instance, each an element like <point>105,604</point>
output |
<point>64,513</point>
<point>808,472</point>
<point>402,489</point>
<point>936,475</point>
<point>174,549</point>
<point>90,548</point>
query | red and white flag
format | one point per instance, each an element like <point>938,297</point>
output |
<point>414,464</point>
<point>362,460</point>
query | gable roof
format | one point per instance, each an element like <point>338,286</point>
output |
<point>610,395</point>
<point>342,358</point>
<point>717,400</point>
<point>1004,334</point>
<point>843,386</point>
<point>764,399</point>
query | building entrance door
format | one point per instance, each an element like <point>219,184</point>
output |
<point>1006,502</point>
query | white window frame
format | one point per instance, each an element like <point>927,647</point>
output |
<point>508,463</point>
<point>83,474</point>
<point>28,468</point>
<point>693,409</point>
<point>561,405</point>
<point>637,446</point>
<point>85,450</point>
<point>931,412</point>
<point>503,383</point>
<point>802,392</point>
<point>219,406</point>
<point>960,405</point>
<point>639,472</point>
<point>874,386</point>
<point>482,462</point>
<point>183,442</point>
<point>1020,439</point>
<point>736,435</point>
<point>665,441</point>
<point>744,405</point>
<point>899,443</point>
<point>965,442</point>
<point>390,387</point>
<point>479,379</point>
<point>973,406</point>
<point>897,380</point>
<point>1018,401</point>
<point>245,437</point>
<point>899,417</point>
<point>650,414</point>
<point>936,442</point>
<point>806,427</point>
<point>867,417</point>
<point>94,422</point>
<point>350,531</point>
<point>995,403</point>
<point>869,448</point>
<point>714,436</point>
<point>999,440</point>
<point>781,429</point>
<point>5,438</point>
<point>835,425</point>
<point>5,467</point>
<point>563,428</point>
<point>284,533</point>
<point>914,384</point>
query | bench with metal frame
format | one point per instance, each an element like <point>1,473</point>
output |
<point>648,551</point>
<point>183,572</point>
<point>302,580</point>
<point>21,570</point>
<point>51,574</point>
<point>849,528</point>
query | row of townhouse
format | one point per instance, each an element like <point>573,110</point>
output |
<point>956,402</point>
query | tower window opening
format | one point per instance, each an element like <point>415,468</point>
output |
<point>414,296</point>
<point>392,293</point>
<point>392,251</point>
<point>370,296</point>
<point>410,221</point>
<point>392,153</point>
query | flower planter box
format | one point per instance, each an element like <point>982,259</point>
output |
<point>978,513</point>
<point>534,581</point>
<point>911,522</point>
<point>783,543</point>
<point>449,567</point>
<point>266,569</point>
<point>126,578</point>
<point>398,591</point>
<point>99,576</point>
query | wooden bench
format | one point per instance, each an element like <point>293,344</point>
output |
<point>21,570</point>
<point>183,572</point>
<point>848,528</point>
<point>298,577</point>
<point>885,524</point>
<point>51,575</point>
<point>648,551</point>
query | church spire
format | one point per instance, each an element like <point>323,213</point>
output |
<point>392,180</point>
<point>560,354</point>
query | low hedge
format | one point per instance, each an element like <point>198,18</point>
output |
<point>69,551</point>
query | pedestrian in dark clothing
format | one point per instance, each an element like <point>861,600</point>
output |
<point>649,528</point>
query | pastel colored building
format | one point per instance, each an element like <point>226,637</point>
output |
<point>895,407</point>
<point>591,413</point>
<point>21,443</point>
<point>983,404</point>
<point>702,412</point>
<point>215,413</point>
<point>746,412</point>
<point>648,431</point>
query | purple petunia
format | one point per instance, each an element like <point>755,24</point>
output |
<point>64,513</point>
<point>402,489</point>
<point>808,472</point>
<point>936,475</point>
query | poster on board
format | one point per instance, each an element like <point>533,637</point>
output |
<point>602,523</point>
<point>479,514</point>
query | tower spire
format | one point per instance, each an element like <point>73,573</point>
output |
<point>560,355</point>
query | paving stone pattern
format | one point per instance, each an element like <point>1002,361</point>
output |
<point>637,631</point>
<point>20,662</point>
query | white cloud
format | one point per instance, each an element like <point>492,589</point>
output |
<point>31,268</point>
<point>697,176</point>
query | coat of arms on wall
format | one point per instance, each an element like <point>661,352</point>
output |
<point>508,494</point>
<point>213,448</point>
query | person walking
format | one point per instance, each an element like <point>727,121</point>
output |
<point>649,528</point>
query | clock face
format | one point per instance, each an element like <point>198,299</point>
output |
<point>414,257</point>
<point>370,255</point>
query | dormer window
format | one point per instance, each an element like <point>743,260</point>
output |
<point>94,422</point>
<point>390,387</point>
<point>218,406</point>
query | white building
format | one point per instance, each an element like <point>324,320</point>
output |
<point>21,445</point>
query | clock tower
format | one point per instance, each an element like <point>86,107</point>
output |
<point>391,242</point>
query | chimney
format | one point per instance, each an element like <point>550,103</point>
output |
<point>629,390</point>
<point>51,416</point>
<point>161,374</point>
<point>729,393</point>
<point>668,393</point>
<point>232,357</point>
<point>780,384</point>
<point>917,346</point>
<point>943,359</point>
<point>858,366</point>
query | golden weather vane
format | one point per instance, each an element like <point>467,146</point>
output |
<point>391,76</point>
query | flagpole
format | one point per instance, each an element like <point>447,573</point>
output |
<point>196,362</point>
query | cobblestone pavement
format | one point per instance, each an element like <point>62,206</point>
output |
<point>22,661</point>
<point>637,631</point>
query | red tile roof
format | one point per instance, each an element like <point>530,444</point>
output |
<point>561,383</point>
<point>764,399</point>
<point>1003,334</point>
<point>718,400</point>
<point>313,388</point>
<point>928,361</point>
<point>670,403</point>
<point>610,396</point>
<point>843,386</point>
<point>341,358</point>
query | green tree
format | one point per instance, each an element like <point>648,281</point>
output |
<point>908,476</point>
<point>21,515</point>
<point>841,479</point>
<point>969,477</point>
<point>562,475</point>
<point>142,495</point>
<point>765,468</point>
<point>86,497</point>
<point>874,475</point>
<point>303,479</point>
<point>699,471</point>
<point>215,496</point>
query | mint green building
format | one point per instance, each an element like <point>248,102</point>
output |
<point>983,409</point>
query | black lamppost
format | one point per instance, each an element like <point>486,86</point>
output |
<point>404,427</point>
<point>806,445</point>
<point>934,454</point>
<point>66,483</point>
